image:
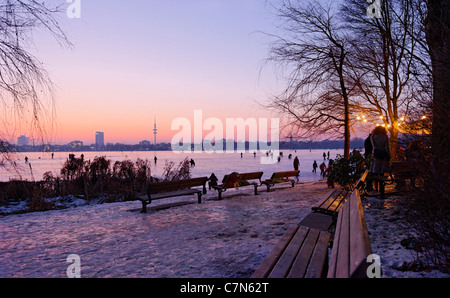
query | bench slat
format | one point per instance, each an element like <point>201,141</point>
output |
<point>177,193</point>
<point>332,202</point>
<point>343,260</point>
<point>337,205</point>
<point>269,262</point>
<point>328,202</point>
<point>301,252</point>
<point>359,237</point>
<point>319,259</point>
<point>351,245</point>
<point>250,176</point>
<point>301,262</point>
<point>321,202</point>
<point>284,264</point>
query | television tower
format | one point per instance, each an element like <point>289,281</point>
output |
<point>155,131</point>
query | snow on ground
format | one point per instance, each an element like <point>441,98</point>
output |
<point>387,228</point>
<point>221,239</point>
<point>227,238</point>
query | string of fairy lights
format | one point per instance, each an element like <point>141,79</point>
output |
<point>370,120</point>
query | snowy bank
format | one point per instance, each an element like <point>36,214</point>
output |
<point>222,239</point>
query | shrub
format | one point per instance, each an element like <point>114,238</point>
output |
<point>428,211</point>
<point>182,171</point>
<point>346,172</point>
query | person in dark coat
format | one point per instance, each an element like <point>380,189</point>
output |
<point>296,163</point>
<point>212,180</point>
<point>381,153</point>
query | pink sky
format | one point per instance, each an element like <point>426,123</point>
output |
<point>136,60</point>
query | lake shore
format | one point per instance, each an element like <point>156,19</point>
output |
<point>215,239</point>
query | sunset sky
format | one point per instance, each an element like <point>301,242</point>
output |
<point>136,60</point>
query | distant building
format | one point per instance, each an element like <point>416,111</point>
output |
<point>99,140</point>
<point>144,143</point>
<point>74,145</point>
<point>23,140</point>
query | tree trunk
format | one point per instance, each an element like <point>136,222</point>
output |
<point>346,125</point>
<point>393,143</point>
<point>438,39</point>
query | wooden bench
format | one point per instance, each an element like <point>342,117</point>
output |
<point>406,170</point>
<point>335,199</point>
<point>281,177</point>
<point>168,189</point>
<point>302,252</point>
<point>351,245</point>
<point>245,179</point>
<point>332,202</point>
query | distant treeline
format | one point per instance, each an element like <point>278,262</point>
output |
<point>283,145</point>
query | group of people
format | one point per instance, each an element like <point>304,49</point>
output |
<point>325,171</point>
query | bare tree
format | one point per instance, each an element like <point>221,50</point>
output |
<point>24,83</point>
<point>386,61</point>
<point>314,51</point>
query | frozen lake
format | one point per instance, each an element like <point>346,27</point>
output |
<point>205,163</point>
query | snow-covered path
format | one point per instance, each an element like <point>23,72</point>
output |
<point>227,238</point>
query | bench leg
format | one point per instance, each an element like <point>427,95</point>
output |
<point>144,206</point>
<point>199,198</point>
<point>382,190</point>
<point>256,189</point>
<point>268,187</point>
<point>293,182</point>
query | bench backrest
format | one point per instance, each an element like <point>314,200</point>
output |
<point>278,175</point>
<point>361,183</point>
<point>406,166</point>
<point>351,245</point>
<point>251,176</point>
<point>168,186</point>
<point>245,176</point>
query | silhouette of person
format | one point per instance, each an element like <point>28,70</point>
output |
<point>314,167</point>
<point>212,180</point>
<point>296,163</point>
<point>322,169</point>
<point>380,144</point>
<point>330,181</point>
